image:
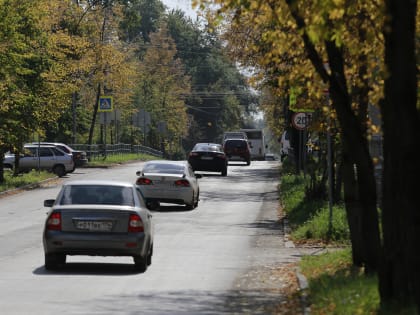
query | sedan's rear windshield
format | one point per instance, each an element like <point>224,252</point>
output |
<point>97,194</point>
<point>207,147</point>
<point>162,168</point>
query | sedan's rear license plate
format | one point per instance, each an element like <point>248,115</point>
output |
<point>207,158</point>
<point>102,226</point>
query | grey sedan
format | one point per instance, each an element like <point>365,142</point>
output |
<point>103,218</point>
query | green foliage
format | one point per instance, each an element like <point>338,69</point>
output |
<point>317,226</point>
<point>11,182</point>
<point>310,219</point>
<point>335,287</point>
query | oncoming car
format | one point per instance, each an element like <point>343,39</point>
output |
<point>168,182</point>
<point>98,218</point>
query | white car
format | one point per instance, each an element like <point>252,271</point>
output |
<point>168,182</point>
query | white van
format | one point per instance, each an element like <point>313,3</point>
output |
<point>284,144</point>
<point>256,143</point>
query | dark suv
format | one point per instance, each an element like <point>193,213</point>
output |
<point>237,150</point>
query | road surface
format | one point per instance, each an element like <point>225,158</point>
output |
<point>203,259</point>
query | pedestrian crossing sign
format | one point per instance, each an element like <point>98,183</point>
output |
<point>106,104</point>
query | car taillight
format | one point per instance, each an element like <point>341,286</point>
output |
<point>222,156</point>
<point>194,154</point>
<point>54,221</point>
<point>135,224</point>
<point>182,183</point>
<point>144,181</point>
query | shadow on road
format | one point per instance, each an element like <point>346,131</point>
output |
<point>91,269</point>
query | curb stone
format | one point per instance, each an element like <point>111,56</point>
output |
<point>302,281</point>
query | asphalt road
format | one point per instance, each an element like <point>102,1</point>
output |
<point>204,260</point>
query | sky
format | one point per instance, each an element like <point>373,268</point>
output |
<point>184,5</point>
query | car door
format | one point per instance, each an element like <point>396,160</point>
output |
<point>29,159</point>
<point>47,158</point>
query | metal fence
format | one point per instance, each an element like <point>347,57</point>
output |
<point>100,151</point>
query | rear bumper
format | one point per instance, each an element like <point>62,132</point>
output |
<point>95,244</point>
<point>217,166</point>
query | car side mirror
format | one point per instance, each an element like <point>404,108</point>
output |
<point>138,173</point>
<point>49,202</point>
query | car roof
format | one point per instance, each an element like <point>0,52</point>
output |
<point>98,183</point>
<point>236,139</point>
<point>27,145</point>
<point>166,162</point>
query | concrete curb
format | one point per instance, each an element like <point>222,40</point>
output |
<point>302,281</point>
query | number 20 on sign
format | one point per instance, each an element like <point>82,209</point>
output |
<point>301,120</point>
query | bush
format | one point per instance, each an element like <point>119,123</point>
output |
<point>318,226</point>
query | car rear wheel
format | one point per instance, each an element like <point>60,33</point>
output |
<point>141,263</point>
<point>248,162</point>
<point>53,261</point>
<point>149,257</point>
<point>224,172</point>
<point>59,170</point>
<point>198,198</point>
<point>190,206</point>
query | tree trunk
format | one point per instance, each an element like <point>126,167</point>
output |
<point>95,112</point>
<point>399,279</point>
<point>353,207</point>
<point>353,136</point>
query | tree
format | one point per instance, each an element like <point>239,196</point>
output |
<point>399,278</point>
<point>220,95</point>
<point>31,80</point>
<point>162,88</point>
<point>293,42</point>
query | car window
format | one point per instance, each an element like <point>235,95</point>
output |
<point>45,152</point>
<point>206,147</point>
<point>236,144</point>
<point>63,148</point>
<point>57,152</point>
<point>164,168</point>
<point>30,152</point>
<point>97,194</point>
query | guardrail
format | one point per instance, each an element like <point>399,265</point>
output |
<point>100,151</point>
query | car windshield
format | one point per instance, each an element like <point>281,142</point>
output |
<point>236,144</point>
<point>97,195</point>
<point>163,168</point>
<point>206,147</point>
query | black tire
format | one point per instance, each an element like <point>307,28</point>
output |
<point>248,162</point>
<point>54,261</point>
<point>149,257</point>
<point>224,172</point>
<point>190,206</point>
<point>141,263</point>
<point>198,199</point>
<point>59,170</point>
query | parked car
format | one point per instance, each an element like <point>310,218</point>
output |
<point>103,218</point>
<point>208,157</point>
<point>45,157</point>
<point>271,157</point>
<point>168,182</point>
<point>79,157</point>
<point>237,150</point>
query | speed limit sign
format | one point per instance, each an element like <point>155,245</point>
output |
<point>301,120</point>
